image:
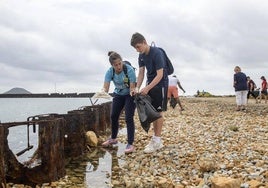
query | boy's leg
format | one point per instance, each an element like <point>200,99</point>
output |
<point>158,126</point>
<point>157,95</point>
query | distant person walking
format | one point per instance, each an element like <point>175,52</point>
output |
<point>121,98</point>
<point>173,90</point>
<point>263,89</point>
<point>241,90</point>
<point>251,89</point>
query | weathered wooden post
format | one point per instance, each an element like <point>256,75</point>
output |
<point>2,161</point>
<point>98,118</point>
<point>50,151</point>
<point>74,141</point>
<point>92,119</point>
<point>105,120</point>
<point>59,137</point>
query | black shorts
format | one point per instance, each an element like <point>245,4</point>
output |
<point>159,98</point>
<point>264,92</point>
<point>254,94</point>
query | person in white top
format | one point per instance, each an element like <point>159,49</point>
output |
<point>173,82</point>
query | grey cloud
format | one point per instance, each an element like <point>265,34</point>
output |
<point>67,42</point>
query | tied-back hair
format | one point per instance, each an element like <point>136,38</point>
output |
<point>113,56</point>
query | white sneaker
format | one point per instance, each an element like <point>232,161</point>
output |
<point>153,146</point>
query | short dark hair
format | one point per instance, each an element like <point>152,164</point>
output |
<point>136,38</point>
<point>113,56</point>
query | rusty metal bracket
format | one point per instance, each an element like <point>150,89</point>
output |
<point>32,120</point>
<point>93,103</point>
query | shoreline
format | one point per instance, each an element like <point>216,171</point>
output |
<point>208,140</point>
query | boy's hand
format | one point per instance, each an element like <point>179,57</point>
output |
<point>144,91</point>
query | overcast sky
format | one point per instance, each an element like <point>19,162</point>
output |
<point>62,45</point>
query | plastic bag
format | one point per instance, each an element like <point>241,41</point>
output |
<point>101,95</point>
<point>146,112</point>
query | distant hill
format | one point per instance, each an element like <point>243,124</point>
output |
<point>17,90</point>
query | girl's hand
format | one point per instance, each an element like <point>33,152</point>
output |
<point>134,91</point>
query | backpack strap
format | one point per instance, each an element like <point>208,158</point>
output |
<point>113,73</point>
<point>153,44</point>
<point>126,80</point>
<point>125,70</point>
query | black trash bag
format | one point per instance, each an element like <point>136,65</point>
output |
<point>147,113</point>
<point>173,102</point>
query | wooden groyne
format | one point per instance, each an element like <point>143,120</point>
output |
<point>60,136</point>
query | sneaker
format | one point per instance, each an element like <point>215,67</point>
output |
<point>153,146</point>
<point>129,148</point>
<point>109,142</point>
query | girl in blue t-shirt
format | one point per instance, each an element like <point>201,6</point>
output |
<point>124,79</point>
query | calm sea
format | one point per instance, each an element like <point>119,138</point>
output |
<point>19,109</point>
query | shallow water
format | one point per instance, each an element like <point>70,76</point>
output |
<point>93,169</point>
<point>19,109</point>
<point>90,170</point>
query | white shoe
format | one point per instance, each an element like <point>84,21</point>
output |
<point>153,146</point>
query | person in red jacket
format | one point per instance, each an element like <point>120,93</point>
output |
<point>263,89</point>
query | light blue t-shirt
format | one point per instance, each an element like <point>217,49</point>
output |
<point>118,79</point>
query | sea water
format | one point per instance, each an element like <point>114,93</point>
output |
<point>92,169</point>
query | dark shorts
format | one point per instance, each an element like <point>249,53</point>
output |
<point>159,98</point>
<point>264,92</point>
<point>254,94</point>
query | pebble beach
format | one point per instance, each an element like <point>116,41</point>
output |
<point>208,145</point>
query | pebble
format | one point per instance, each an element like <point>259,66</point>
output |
<point>207,141</point>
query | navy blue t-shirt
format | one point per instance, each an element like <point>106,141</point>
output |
<point>153,62</point>
<point>241,81</point>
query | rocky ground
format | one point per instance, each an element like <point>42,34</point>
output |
<point>207,145</point>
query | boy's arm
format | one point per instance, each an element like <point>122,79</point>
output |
<point>140,77</point>
<point>155,81</point>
